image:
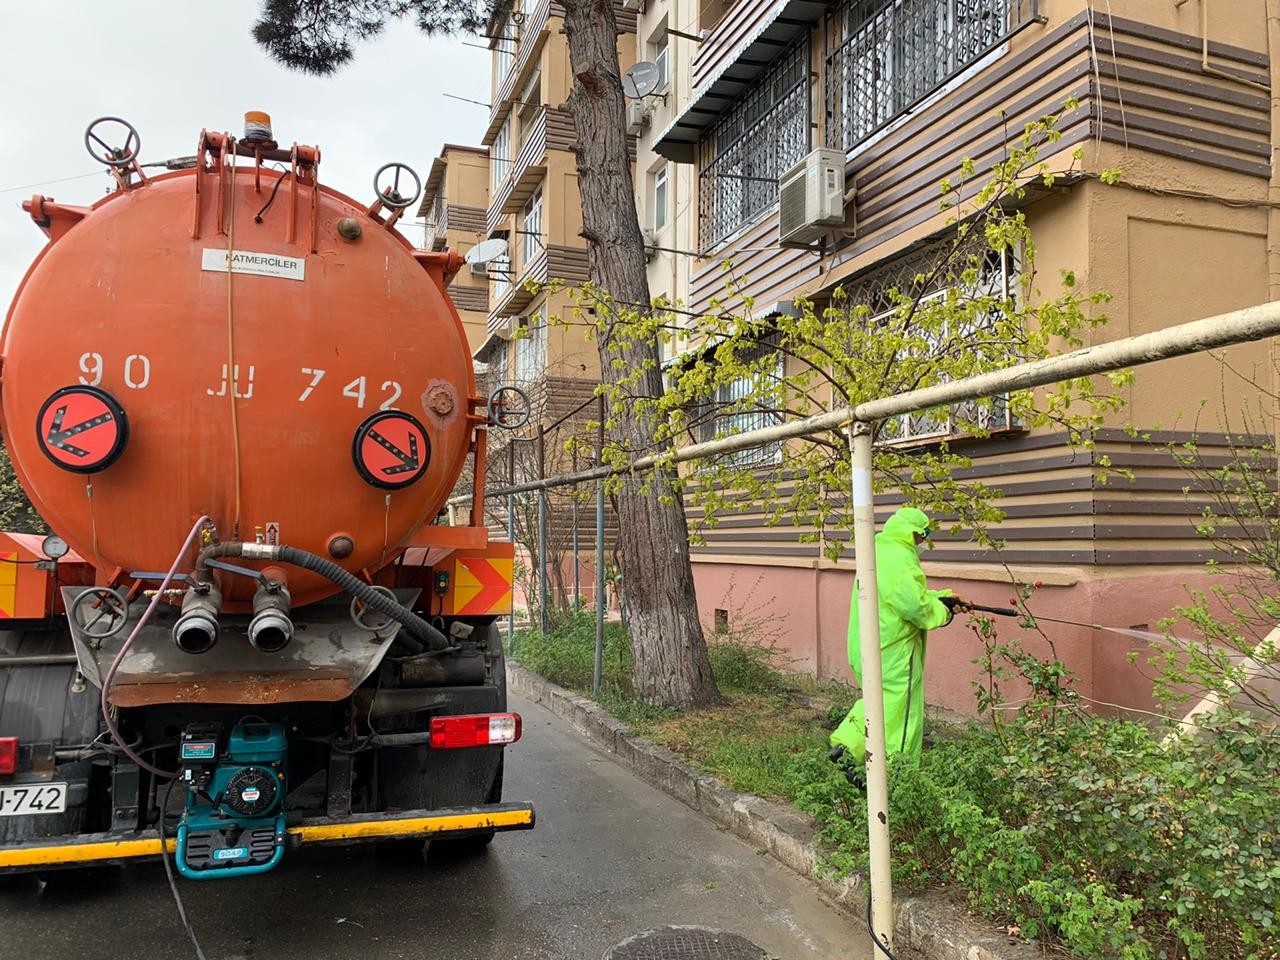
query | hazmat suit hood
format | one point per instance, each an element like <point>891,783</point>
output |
<point>904,524</point>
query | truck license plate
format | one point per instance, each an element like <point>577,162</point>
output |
<point>25,800</point>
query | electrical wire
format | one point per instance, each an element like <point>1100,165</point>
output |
<point>231,337</point>
<point>271,199</point>
<point>168,871</point>
<point>880,945</point>
<point>45,183</point>
<point>124,650</point>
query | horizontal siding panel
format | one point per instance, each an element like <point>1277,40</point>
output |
<point>467,219</point>
<point>743,18</point>
<point>1055,513</point>
<point>470,298</point>
<point>567,263</point>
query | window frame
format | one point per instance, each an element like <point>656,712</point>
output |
<point>531,228</point>
<point>530,353</point>
<point>500,155</point>
<point>660,196</point>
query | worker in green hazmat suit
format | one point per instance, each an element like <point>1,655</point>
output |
<point>908,611</point>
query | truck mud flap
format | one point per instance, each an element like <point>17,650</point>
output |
<point>358,828</point>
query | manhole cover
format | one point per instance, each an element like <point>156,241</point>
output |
<point>687,943</point>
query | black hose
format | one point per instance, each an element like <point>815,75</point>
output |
<point>419,632</point>
<point>380,602</point>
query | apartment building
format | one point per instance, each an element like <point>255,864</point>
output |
<point>531,338</point>
<point>902,91</point>
<point>455,202</point>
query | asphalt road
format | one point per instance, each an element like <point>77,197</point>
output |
<point>610,857</point>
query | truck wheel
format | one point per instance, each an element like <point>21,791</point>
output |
<point>476,842</point>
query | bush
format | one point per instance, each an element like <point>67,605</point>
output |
<point>1088,830</point>
<point>743,667</point>
<point>567,654</point>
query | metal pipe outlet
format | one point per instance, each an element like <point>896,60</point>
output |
<point>197,629</point>
<point>271,629</point>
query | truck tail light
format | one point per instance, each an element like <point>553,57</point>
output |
<point>9,753</point>
<point>474,730</point>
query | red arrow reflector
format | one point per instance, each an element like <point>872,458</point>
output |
<point>475,730</point>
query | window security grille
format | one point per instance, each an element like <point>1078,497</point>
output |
<point>761,137</point>
<point>741,415</point>
<point>998,278</point>
<point>894,53</point>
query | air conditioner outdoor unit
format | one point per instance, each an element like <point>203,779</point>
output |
<point>811,197</point>
<point>637,117</point>
<point>479,269</point>
<point>633,5</point>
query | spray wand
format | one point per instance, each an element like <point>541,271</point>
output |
<point>1014,612</point>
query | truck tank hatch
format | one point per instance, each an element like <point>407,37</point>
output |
<point>328,659</point>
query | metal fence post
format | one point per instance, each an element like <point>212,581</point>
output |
<point>511,525</point>
<point>864,541</point>
<point>577,577</point>
<point>543,592</point>
<point>599,670</point>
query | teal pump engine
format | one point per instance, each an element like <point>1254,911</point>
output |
<point>233,823</point>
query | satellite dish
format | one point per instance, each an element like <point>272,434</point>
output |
<point>641,80</point>
<point>486,251</point>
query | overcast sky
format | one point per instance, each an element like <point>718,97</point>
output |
<point>173,68</point>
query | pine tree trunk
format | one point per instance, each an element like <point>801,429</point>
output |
<point>671,664</point>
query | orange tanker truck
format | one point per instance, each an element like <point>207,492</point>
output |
<point>240,400</point>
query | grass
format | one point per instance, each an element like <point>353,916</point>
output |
<point>769,720</point>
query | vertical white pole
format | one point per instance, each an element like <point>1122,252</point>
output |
<point>864,552</point>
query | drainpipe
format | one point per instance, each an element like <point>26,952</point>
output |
<point>1205,67</point>
<point>1273,185</point>
<point>864,552</point>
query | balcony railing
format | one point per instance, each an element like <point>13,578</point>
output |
<point>897,52</point>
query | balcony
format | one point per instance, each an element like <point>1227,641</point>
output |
<point>524,174</point>
<point>532,32</point>
<point>552,262</point>
<point>436,216</point>
<point>746,41</point>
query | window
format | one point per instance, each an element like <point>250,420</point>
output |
<point>531,229</point>
<point>737,412</point>
<point>660,198</point>
<point>531,346</point>
<point>500,155</point>
<point>893,53</point>
<point>761,137</point>
<point>530,105</point>
<point>661,60</point>
<point>500,271</point>
<point>504,52</point>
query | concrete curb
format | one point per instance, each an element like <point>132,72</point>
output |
<point>931,926</point>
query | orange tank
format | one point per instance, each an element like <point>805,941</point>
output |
<point>321,389</point>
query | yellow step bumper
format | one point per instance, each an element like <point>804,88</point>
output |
<point>112,848</point>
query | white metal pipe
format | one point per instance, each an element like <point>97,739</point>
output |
<point>864,552</point>
<point>1197,336</point>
